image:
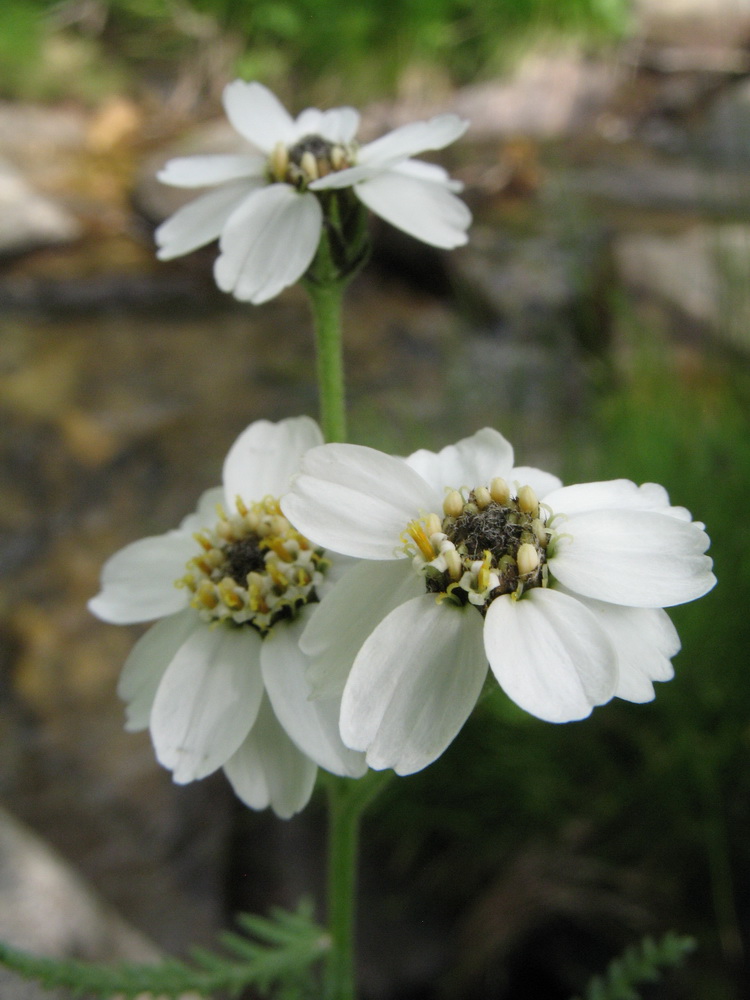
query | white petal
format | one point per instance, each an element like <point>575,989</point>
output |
<point>204,171</point>
<point>402,143</point>
<point>257,114</point>
<point>540,481</point>
<point>268,243</point>
<point>205,513</point>
<point>264,457</point>
<point>138,582</point>
<point>427,172</point>
<point>645,641</point>
<point>340,124</point>
<point>427,211</point>
<point>336,125</point>
<point>348,613</point>
<point>471,462</point>
<point>614,494</point>
<point>207,701</point>
<point>414,684</point>
<point>416,137</point>
<point>200,221</point>
<point>356,500</point>
<point>147,663</point>
<point>312,725</point>
<point>634,557</point>
<point>549,654</point>
<point>268,769</point>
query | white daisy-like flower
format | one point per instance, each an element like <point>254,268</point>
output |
<point>465,565</point>
<point>267,205</point>
<point>220,679</point>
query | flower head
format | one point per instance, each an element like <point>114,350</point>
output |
<point>268,205</point>
<point>220,680</point>
<point>471,560</point>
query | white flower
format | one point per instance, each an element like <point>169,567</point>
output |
<point>220,679</point>
<point>564,599</point>
<point>265,208</point>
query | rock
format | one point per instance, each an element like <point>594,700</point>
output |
<point>27,219</point>
<point>549,95</point>
<point>724,134</point>
<point>724,23</point>
<point>46,909</point>
<point>701,274</point>
<point>661,185</point>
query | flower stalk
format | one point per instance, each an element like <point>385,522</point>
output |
<point>347,801</point>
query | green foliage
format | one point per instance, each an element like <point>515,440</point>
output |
<point>643,963</point>
<point>292,43</point>
<point>276,952</point>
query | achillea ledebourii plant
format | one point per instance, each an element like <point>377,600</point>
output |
<point>273,654</point>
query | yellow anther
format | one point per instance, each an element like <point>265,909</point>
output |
<point>483,576</point>
<point>279,524</point>
<point>206,594</point>
<point>280,549</point>
<point>453,504</point>
<point>279,161</point>
<point>205,543</point>
<point>228,593</point>
<point>454,564</point>
<point>527,558</point>
<point>417,532</point>
<point>540,532</point>
<point>482,497</point>
<point>338,158</point>
<point>527,501</point>
<point>240,505</point>
<point>499,490</point>
<point>309,165</point>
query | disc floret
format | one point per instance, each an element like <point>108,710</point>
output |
<point>309,159</point>
<point>254,568</point>
<point>486,544</point>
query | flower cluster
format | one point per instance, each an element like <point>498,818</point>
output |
<point>268,206</point>
<point>275,653</point>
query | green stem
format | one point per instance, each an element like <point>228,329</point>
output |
<point>326,299</point>
<point>347,800</point>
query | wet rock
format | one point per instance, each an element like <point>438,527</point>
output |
<point>723,135</point>
<point>47,909</point>
<point>27,219</point>
<point>700,274</point>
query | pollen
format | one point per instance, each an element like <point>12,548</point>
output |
<point>253,568</point>
<point>307,160</point>
<point>488,543</point>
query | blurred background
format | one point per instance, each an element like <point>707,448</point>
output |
<point>600,318</point>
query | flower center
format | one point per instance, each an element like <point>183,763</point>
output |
<point>309,159</point>
<point>254,568</point>
<point>485,545</point>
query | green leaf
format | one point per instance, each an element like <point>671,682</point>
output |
<point>643,963</point>
<point>276,952</point>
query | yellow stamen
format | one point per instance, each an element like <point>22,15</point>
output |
<point>424,544</point>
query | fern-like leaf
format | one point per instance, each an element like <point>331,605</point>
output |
<point>277,950</point>
<point>643,963</point>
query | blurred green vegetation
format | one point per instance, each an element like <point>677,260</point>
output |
<point>635,820</point>
<point>84,48</point>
